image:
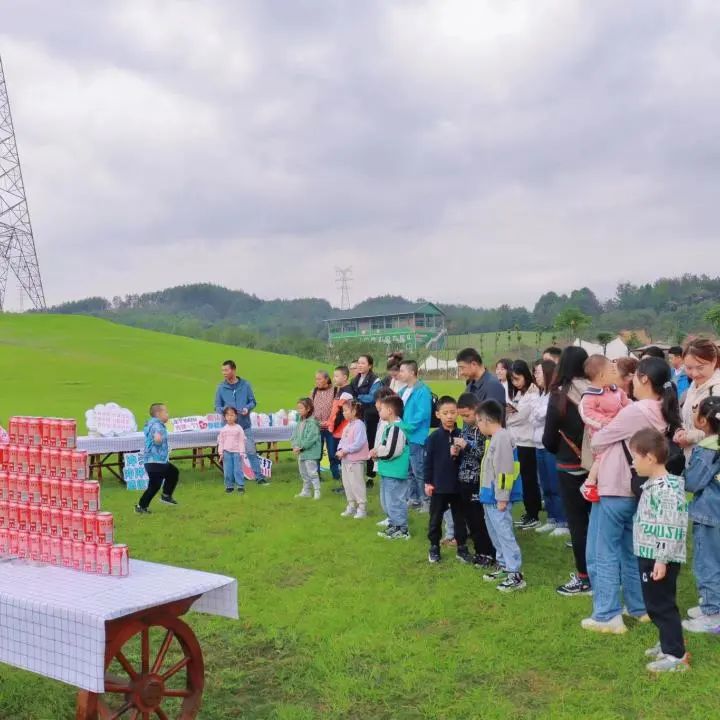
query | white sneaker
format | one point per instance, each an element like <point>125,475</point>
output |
<point>695,612</point>
<point>384,523</point>
<point>548,527</point>
<point>360,514</point>
<point>316,495</point>
<point>303,494</point>
<point>615,626</point>
<point>349,511</point>
<point>668,663</point>
<point>703,624</point>
<point>654,652</point>
<point>560,532</point>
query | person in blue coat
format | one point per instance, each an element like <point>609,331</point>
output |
<point>237,393</point>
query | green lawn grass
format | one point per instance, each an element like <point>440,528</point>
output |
<point>336,622</point>
<point>494,346</point>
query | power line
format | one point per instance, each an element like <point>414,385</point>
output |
<point>343,279</point>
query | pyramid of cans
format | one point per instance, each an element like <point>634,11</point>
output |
<point>49,508</point>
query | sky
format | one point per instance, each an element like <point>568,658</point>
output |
<point>473,151</point>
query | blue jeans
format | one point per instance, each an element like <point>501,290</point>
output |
<point>330,442</point>
<point>416,474</point>
<point>547,471</point>
<point>706,566</point>
<point>392,499</point>
<point>611,564</point>
<point>252,454</point>
<point>233,469</point>
<point>449,525</point>
<point>502,533</point>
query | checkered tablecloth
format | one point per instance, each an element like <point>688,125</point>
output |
<point>52,620</point>
<point>177,441</point>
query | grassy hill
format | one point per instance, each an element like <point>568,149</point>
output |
<point>493,345</point>
<point>336,623</point>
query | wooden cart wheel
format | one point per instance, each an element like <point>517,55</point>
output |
<point>174,669</point>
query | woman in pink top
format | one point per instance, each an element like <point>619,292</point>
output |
<point>610,558</point>
<point>231,449</point>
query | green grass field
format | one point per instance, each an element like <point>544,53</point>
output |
<point>336,623</point>
<point>494,346</point>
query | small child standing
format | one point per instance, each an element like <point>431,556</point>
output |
<point>353,452</point>
<point>393,456</point>
<point>659,539</point>
<point>161,472</point>
<point>600,403</point>
<point>498,490</point>
<point>231,448</point>
<point>306,443</point>
<point>702,477</point>
<point>380,395</point>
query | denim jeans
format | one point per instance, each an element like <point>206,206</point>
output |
<point>550,484</point>
<point>392,497</point>
<point>502,533</point>
<point>449,525</point>
<point>252,453</point>
<point>233,469</point>
<point>330,442</point>
<point>612,566</point>
<point>706,566</point>
<point>416,474</point>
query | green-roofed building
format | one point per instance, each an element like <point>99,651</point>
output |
<point>412,325</point>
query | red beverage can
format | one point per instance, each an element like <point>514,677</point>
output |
<point>119,561</point>
<point>4,457</point>
<point>55,432</point>
<point>22,493</point>
<point>23,545</point>
<point>23,519</point>
<point>12,458</point>
<point>13,542</point>
<point>68,432</point>
<point>66,464</point>
<point>55,497</point>
<point>78,554</point>
<point>54,522</point>
<point>45,431</point>
<point>5,541</point>
<point>67,553</point>
<point>13,487</point>
<point>12,515</point>
<point>54,462</point>
<point>103,560</point>
<point>34,434</point>
<point>34,519</point>
<point>91,496</point>
<point>22,430</point>
<point>67,524</point>
<point>66,499</point>
<point>34,490</point>
<point>4,514</point>
<point>45,485</point>
<point>22,463</point>
<point>34,546</point>
<point>90,558</point>
<point>105,528</point>
<point>45,462</point>
<point>12,429</point>
<point>4,491</point>
<point>89,526</point>
<point>79,465</point>
<point>45,549</point>
<point>78,492</point>
<point>34,460</point>
<point>56,552</point>
<point>78,527</point>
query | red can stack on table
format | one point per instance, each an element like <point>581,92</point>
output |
<point>49,509</point>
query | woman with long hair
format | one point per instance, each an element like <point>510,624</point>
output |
<point>503,368</point>
<point>364,386</point>
<point>563,437</point>
<point>612,565</point>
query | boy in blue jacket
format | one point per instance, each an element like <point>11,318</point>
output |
<point>160,471</point>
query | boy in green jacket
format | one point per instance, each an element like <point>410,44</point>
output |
<point>307,445</point>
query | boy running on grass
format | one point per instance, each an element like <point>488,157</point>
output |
<point>161,472</point>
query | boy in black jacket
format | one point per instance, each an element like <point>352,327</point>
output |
<point>442,463</point>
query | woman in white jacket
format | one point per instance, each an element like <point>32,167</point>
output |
<point>523,396</point>
<point>556,524</point>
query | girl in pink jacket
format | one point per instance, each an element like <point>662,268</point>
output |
<point>353,452</point>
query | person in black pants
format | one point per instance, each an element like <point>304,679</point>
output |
<point>364,386</point>
<point>160,471</point>
<point>563,438</point>
<point>442,463</point>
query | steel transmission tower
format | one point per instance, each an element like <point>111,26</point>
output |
<point>343,278</point>
<point>17,246</point>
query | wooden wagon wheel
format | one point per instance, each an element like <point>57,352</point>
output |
<point>140,692</point>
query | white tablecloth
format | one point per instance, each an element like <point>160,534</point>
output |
<point>202,438</point>
<point>52,620</point>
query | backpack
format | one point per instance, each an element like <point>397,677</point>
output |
<point>434,419</point>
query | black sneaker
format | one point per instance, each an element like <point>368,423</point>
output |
<point>434,554</point>
<point>514,581</point>
<point>168,500</point>
<point>482,562</point>
<point>523,519</point>
<point>463,555</point>
<point>229,490</point>
<point>575,586</point>
<point>339,491</point>
<point>529,524</point>
<point>370,483</point>
<point>263,481</point>
<point>142,511</point>
<point>240,490</point>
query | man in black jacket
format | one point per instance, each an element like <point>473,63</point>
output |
<point>481,383</point>
<point>442,463</point>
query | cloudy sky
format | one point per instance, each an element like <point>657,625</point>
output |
<point>478,151</point>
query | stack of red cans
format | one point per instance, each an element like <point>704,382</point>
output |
<point>49,509</point>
